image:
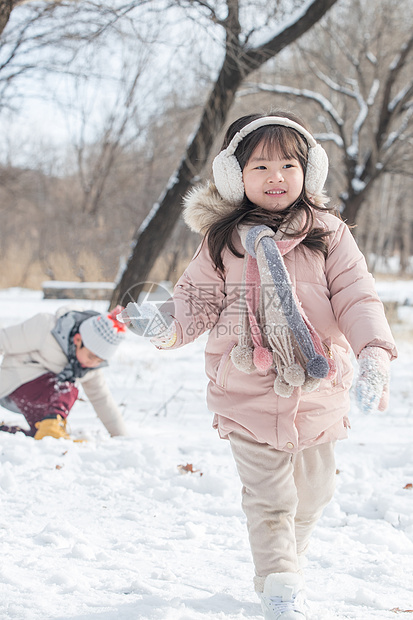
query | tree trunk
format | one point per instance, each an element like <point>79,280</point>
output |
<point>238,64</point>
<point>157,227</point>
<point>352,206</point>
<point>6,7</point>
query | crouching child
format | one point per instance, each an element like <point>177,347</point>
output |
<point>46,357</point>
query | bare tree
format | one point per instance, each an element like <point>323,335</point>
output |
<point>240,60</point>
<point>41,37</point>
<point>384,228</point>
<point>94,167</point>
<point>7,6</point>
<point>363,97</point>
<point>105,55</point>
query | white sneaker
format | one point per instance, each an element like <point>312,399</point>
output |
<point>283,597</point>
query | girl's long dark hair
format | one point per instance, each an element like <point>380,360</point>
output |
<point>289,144</point>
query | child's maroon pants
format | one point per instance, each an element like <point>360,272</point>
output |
<point>42,398</point>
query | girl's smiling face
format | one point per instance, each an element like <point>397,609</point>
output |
<point>271,181</point>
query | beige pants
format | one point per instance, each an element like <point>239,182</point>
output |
<point>283,496</point>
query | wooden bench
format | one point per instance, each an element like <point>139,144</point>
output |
<point>77,290</point>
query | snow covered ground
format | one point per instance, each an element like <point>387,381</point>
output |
<point>111,529</point>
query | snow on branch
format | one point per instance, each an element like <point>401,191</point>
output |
<point>371,57</point>
<point>330,83</point>
<point>289,23</point>
<point>173,180</point>
<point>396,135</point>
<point>357,185</point>
<point>373,92</point>
<point>352,150</point>
<point>326,105</point>
<point>400,96</point>
<point>330,137</point>
<point>397,60</point>
<point>288,31</point>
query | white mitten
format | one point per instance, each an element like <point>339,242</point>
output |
<point>372,386</point>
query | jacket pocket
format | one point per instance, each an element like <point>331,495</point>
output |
<point>224,367</point>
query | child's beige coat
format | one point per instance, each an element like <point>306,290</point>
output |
<point>30,350</point>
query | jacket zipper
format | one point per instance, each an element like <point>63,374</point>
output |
<point>223,375</point>
<point>330,356</point>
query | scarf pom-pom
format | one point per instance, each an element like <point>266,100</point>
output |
<point>318,367</point>
<point>263,359</point>
<point>282,388</point>
<point>310,384</point>
<point>294,375</point>
<point>242,358</point>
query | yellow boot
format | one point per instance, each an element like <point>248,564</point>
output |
<point>52,427</point>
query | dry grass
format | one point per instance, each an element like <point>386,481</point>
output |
<point>19,269</point>
<point>392,277</point>
<point>161,268</point>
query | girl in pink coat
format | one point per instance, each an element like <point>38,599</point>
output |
<point>286,295</point>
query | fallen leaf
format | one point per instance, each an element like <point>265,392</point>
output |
<point>188,468</point>
<point>397,610</point>
<point>409,485</point>
<point>59,466</point>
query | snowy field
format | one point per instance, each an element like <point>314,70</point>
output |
<point>111,529</point>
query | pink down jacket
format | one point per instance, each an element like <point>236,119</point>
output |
<point>337,294</point>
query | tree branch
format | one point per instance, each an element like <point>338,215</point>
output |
<point>387,112</point>
<point>325,104</point>
<point>310,14</point>
<point>238,63</point>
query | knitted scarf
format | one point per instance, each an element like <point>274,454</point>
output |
<point>275,330</point>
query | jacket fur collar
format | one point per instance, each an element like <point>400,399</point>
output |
<point>203,206</point>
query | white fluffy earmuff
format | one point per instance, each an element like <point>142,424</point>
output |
<point>228,174</point>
